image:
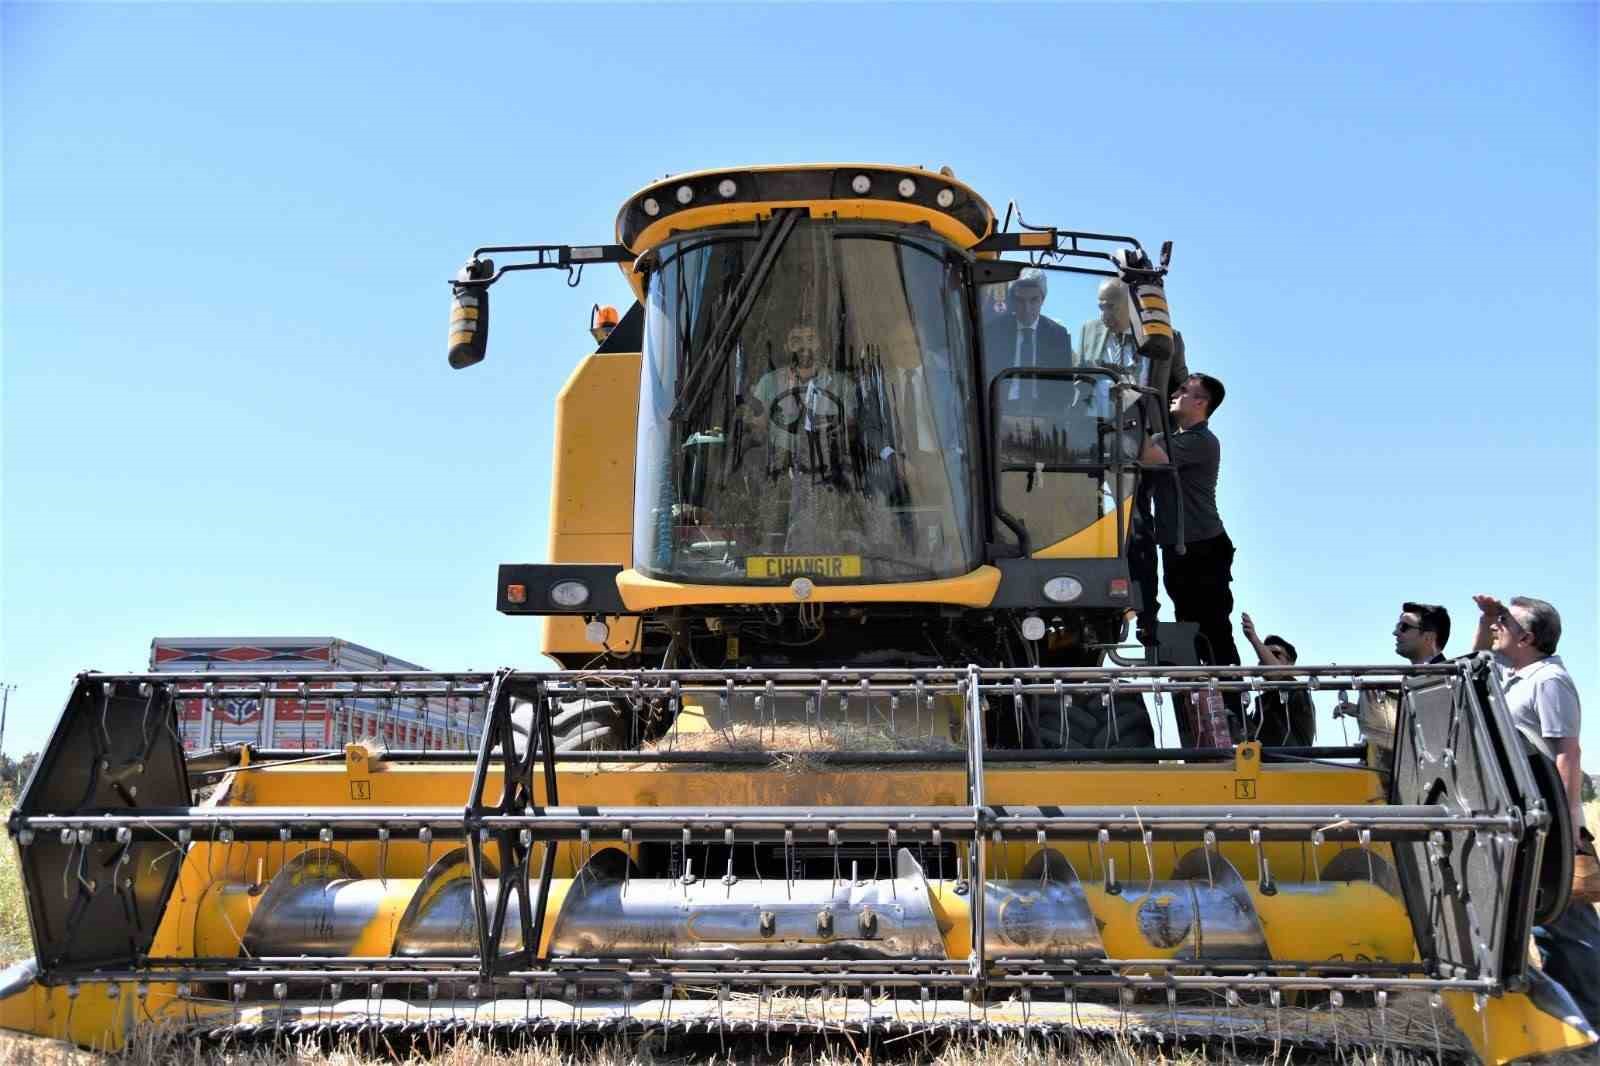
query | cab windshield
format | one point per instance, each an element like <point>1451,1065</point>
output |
<point>807,408</point>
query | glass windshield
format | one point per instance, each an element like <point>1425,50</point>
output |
<point>1058,351</point>
<point>806,408</point>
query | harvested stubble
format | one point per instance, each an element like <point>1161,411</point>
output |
<point>155,1047</point>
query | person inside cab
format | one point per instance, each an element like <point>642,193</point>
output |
<point>829,462</point>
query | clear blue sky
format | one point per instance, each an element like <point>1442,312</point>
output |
<point>227,231</point>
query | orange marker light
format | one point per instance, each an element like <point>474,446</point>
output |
<point>602,320</point>
<point>1118,589</point>
<point>516,594</point>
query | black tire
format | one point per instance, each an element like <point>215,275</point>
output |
<point>1553,887</point>
<point>1086,724</point>
<point>575,725</point>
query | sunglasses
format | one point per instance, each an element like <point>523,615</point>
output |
<point>1401,627</point>
<point>1506,621</point>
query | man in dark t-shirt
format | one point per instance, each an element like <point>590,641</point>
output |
<point>1199,578</point>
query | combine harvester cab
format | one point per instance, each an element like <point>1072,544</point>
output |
<point>841,740</point>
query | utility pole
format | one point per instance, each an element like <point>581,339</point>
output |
<point>5,703</point>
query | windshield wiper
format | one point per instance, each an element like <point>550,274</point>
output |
<point>725,333</point>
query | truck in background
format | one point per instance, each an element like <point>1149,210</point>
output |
<point>312,723</point>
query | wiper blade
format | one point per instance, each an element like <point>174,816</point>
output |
<point>726,331</point>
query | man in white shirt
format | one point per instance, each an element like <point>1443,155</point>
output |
<point>1542,698</point>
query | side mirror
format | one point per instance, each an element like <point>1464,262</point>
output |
<point>996,271</point>
<point>469,313</point>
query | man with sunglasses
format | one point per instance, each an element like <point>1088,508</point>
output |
<point>1421,633</point>
<point>1198,569</point>
<point>1542,698</point>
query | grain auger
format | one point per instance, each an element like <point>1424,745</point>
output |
<point>938,884</point>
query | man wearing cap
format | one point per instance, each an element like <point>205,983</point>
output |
<point>1543,700</point>
<point>1024,336</point>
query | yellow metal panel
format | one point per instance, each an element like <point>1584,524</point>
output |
<point>591,489</point>
<point>1097,541</point>
<point>976,589</point>
<point>1510,1027</point>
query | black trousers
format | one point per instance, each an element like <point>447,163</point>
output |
<point>1200,584</point>
<point>1142,561</point>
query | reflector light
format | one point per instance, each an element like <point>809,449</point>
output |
<point>726,188</point>
<point>1118,589</point>
<point>1063,589</point>
<point>908,188</point>
<point>684,194</point>
<point>651,207</point>
<point>946,197</point>
<point>569,594</point>
<point>516,594</point>
<point>861,184</point>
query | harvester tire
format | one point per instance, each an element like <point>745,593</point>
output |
<point>575,725</point>
<point>1086,724</point>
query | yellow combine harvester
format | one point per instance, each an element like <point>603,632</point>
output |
<point>842,739</point>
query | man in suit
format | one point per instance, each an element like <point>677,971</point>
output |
<point>1108,341</point>
<point>1023,336</point>
<point>1421,632</point>
<point>1052,505</point>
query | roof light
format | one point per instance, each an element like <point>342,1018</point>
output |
<point>569,594</point>
<point>684,194</point>
<point>945,198</point>
<point>1063,589</point>
<point>908,188</point>
<point>651,206</point>
<point>861,184</point>
<point>726,188</point>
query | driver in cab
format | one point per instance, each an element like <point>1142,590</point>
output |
<point>806,412</point>
<point>818,434</point>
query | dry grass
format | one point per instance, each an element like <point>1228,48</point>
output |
<point>829,736</point>
<point>158,1049</point>
<point>14,940</point>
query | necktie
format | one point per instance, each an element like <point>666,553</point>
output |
<point>1033,359</point>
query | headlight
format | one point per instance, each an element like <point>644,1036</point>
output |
<point>1063,589</point>
<point>569,594</point>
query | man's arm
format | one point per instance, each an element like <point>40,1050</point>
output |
<point>1569,765</point>
<point>1179,372</point>
<point>1560,719</point>
<point>1489,610</point>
